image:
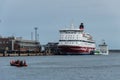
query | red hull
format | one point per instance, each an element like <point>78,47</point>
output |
<point>12,63</point>
<point>75,49</point>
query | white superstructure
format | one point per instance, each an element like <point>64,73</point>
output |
<point>76,40</point>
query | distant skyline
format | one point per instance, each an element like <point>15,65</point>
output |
<point>101,19</point>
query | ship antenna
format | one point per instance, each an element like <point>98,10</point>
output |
<point>72,24</point>
<point>103,42</point>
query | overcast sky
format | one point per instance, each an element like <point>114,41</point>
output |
<point>100,17</point>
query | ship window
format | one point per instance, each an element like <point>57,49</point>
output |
<point>65,42</point>
<point>73,36</point>
<point>71,42</point>
<point>70,36</point>
<point>65,37</point>
<point>77,37</point>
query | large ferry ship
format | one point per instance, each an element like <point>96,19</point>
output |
<point>75,41</point>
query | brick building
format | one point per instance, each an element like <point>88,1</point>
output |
<point>13,44</point>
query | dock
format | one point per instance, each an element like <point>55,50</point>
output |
<point>19,54</point>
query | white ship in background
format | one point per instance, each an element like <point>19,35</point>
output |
<point>102,49</point>
<point>75,41</point>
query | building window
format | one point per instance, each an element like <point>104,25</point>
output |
<point>6,42</point>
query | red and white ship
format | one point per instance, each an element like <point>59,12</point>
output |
<point>75,41</point>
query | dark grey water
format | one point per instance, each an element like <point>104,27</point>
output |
<point>81,67</point>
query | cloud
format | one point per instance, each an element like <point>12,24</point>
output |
<point>101,18</point>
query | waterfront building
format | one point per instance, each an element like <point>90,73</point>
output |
<point>17,44</point>
<point>51,48</point>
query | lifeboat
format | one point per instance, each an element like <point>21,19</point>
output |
<point>18,63</point>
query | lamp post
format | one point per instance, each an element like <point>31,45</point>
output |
<point>35,33</point>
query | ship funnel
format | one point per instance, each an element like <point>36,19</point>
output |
<point>81,27</point>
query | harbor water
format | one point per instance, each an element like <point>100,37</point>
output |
<point>75,67</point>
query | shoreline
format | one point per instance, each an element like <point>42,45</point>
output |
<point>19,54</point>
<point>39,54</point>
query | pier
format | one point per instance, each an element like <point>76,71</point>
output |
<point>114,50</point>
<point>20,54</point>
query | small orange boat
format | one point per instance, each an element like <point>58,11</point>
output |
<point>18,63</point>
